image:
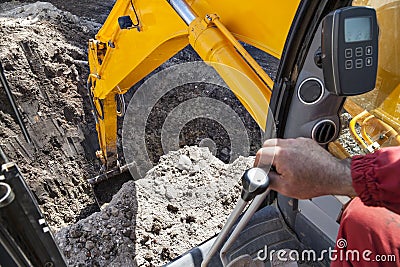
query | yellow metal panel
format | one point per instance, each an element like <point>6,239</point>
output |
<point>388,97</point>
<point>214,48</point>
<point>107,130</point>
<point>162,34</point>
<point>384,100</point>
<point>261,23</point>
<point>110,25</point>
<point>264,24</point>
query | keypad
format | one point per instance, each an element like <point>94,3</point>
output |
<point>358,57</point>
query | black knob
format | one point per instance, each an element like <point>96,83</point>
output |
<point>318,58</point>
<point>254,181</point>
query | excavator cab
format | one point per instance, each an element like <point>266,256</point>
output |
<point>338,72</point>
<point>322,77</point>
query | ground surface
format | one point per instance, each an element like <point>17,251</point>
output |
<point>42,52</point>
<point>86,9</point>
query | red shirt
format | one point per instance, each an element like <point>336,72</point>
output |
<point>370,225</point>
<point>376,178</point>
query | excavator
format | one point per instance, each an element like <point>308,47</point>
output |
<point>334,57</point>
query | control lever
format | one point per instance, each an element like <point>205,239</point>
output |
<point>255,184</point>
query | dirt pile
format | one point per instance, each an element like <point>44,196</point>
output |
<point>43,53</point>
<point>181,202</point>
<point>91,10</point>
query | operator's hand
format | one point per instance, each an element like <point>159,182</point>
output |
<point>303,169</point>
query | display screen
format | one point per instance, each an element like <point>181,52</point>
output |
<point>357,29</point>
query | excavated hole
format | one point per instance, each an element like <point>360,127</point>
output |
<point>199,128</point>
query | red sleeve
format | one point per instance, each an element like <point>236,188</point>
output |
<point>376,178</point>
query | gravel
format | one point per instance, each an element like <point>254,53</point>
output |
<point>155,219</point>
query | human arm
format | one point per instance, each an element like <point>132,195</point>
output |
<point>305,170</point>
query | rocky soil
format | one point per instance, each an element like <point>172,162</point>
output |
<point>180,203</point>
<point>43,54</point>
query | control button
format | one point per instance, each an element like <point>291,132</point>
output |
<point>349,64</point>
<point>359,52</point>
<point>348,52</point>
<point>368,61</point>
<point>359,63</point>
<point>368,50</point>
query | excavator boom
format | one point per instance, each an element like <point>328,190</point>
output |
<point>139,36</point>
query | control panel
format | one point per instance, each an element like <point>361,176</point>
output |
<point>350,50</point>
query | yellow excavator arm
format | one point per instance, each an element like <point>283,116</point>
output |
<point>140,35</point>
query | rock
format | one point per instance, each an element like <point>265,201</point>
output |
<point>144,239</point>
<point>172,208</point>
<point>75,232</point>
<point>196,168</point>
<point>190,219</point>
<point>106,232</point>
<point>114,211</point>
<point>105,216</point>
<point>166,254</point>
<point>87,227</point>
<point>171,193</point>
<point>89,245</point>
<point>156,228</point>
<point>195,154</point>
<point>140,261</point>
<point>184,163</point>
<point>160,190</point>
<point>127,232</point>
<point>149,256</point>
<point>126,223</point>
